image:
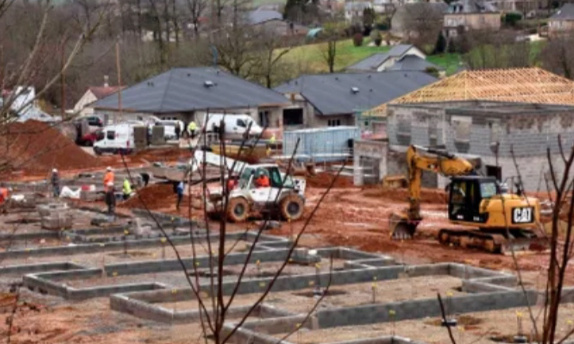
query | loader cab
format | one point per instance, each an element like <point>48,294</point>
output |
<point>465,195</point>
<point>247,180</point>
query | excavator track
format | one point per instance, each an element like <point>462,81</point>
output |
<point>492,241</point>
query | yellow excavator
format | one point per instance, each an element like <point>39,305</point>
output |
<point>502,221</point>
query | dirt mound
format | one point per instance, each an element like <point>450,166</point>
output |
<point>402,195</point>
<point>154,196</point>
<point>36,147</point>
<point>324,179</point>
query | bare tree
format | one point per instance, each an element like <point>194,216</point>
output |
<point>487,50</point>
<point>332,33</point>
<point>214,301</point>
<point>422,23</point>
<point>558,56</point>
<point>561,244</point>
<point>44,52</point>
<point>196,10</point>
<point>271,52</point>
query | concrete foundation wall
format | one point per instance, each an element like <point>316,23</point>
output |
<point>423,308</point>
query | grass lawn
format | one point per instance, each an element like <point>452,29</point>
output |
<point>449,61</point>
<point>311,60</point>
<point>309,57</point>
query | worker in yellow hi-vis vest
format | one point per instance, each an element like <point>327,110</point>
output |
<point>191,129</point>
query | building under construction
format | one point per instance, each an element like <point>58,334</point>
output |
<point>491,114</point>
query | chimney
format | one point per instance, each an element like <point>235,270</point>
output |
<point>106,83</point>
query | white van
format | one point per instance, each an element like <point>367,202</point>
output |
<point>117,138</point>
<point>235,124</point>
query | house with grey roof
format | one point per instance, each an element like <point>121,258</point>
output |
<point>415,63</point>
<point>188,93</point>
<point>562,21</point>
<point>383,61</point>
<point>260,16</point>
<point>323,100</point>
<point>272,21</point>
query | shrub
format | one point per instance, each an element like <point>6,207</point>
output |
<point>377,37</point>
<point>358,39</point>
<point>440,45</point>
<point>432,71</point>
<point>511,18</point>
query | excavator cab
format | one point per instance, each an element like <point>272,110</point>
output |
<point>465,195</point>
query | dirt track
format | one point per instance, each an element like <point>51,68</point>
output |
<point>358,217</point>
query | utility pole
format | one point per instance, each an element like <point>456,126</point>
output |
<point>119,71</point>
<point>63,81</point>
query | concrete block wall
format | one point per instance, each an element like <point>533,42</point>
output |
<point>39,267</point>
<point>417,309</point>
<point>370,149</point>
<point>529,136</point>
<point>47,280</point>
<point>532,169</point>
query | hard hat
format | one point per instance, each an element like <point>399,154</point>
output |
<point>261,173</point>
<point>54,170</point>
<point>108,168</point>
<point>110,184</point>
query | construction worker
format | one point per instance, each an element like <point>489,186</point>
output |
<point>110,199</point>
<point>145,178</point>
<point>4,194</point>
<point>271,145</point>
<point>179,192</point>
<point>109,177</point>
<point>191,128</point>
<point>232,183</point>
<point>177,131</point>
<point>262,180</point>
<point>55,181</point>
<point>127,189</point>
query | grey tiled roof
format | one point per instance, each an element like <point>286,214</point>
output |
<point>374,61</point>
<point>189,89</point>
<point>333,94</point>
<point>261,16</point>
<point>413,62</point>
<point>566,12</point>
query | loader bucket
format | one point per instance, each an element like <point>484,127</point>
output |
<point>401,227</point>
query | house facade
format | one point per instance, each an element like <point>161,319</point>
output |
<point>500,133</point>
<point>84,106</point>
<point>354,10</point>
<point>562,22</point>
<point>187,94</point>
<point>331,100</point>
<point>470,15</point>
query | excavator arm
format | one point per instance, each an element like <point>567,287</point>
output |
<point>403,225</point>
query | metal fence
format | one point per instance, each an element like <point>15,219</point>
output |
<point>321,144</point>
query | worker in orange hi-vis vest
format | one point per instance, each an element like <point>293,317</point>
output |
<point>109,177</point>
<point>4,194</point>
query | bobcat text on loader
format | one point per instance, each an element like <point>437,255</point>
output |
<point>503,221</point>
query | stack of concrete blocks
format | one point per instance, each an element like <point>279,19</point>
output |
<point>91,196</point>
<point>158,135</point>
<point>55,216</point>
<point>140,137</point>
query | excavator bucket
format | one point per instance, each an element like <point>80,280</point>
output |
<point>401,227</point>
